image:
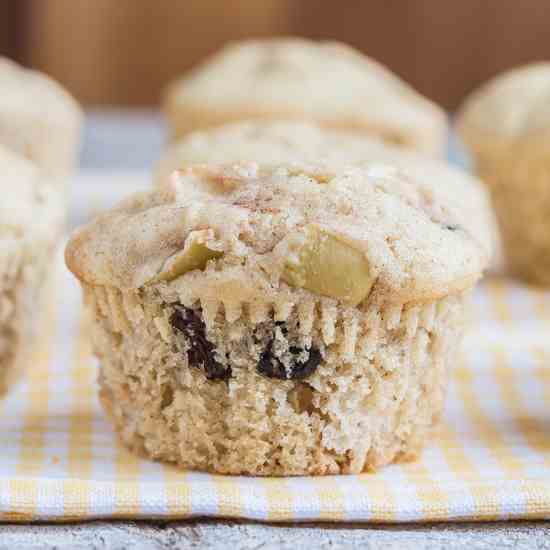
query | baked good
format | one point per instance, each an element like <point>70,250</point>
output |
<point>277,319</point>
<point>38,119</point>
<point>31,221</point>
<point>310,147</point>
<point>505,124</point>
<point>279,141</point>
<point>291,78</point>
<point>303,144</point>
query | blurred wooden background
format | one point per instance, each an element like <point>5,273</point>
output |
<point>123,52</point>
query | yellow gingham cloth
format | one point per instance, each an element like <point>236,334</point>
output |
<point>60,460</point>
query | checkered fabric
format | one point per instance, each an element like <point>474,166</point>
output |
<point>60,459</point>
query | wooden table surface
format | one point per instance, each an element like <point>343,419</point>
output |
<point>244,535</point>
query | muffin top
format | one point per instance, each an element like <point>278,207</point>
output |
<point>27,94</point>
<point>339,233</point>
<point>513,105</point>
<point>324,81</point>
<point>31,205</point>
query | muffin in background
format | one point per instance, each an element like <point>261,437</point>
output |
<point>292,78</point>
<point>281,319</point>
<point>31,222</point>
<point>39,120</point>
<point>505,124</point>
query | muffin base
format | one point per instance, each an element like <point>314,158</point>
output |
<point>24,284</point>
<point>375,397</point>
<point>518,177</point>
<point>186,119</point>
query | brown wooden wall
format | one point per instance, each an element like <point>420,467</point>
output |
<point>124,51</point>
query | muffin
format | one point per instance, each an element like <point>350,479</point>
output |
<point>506,126</point>
<point>38,119</point>
<point>305,143</point>
<point>278,320</point>
<point>31,220</point>
<point>291,78</point>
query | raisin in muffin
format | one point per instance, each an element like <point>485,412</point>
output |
<point>291,78</point>
<point>38,119</point>
<point>279,320</point>
<point>506,126</point>
<point>31,220</point>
